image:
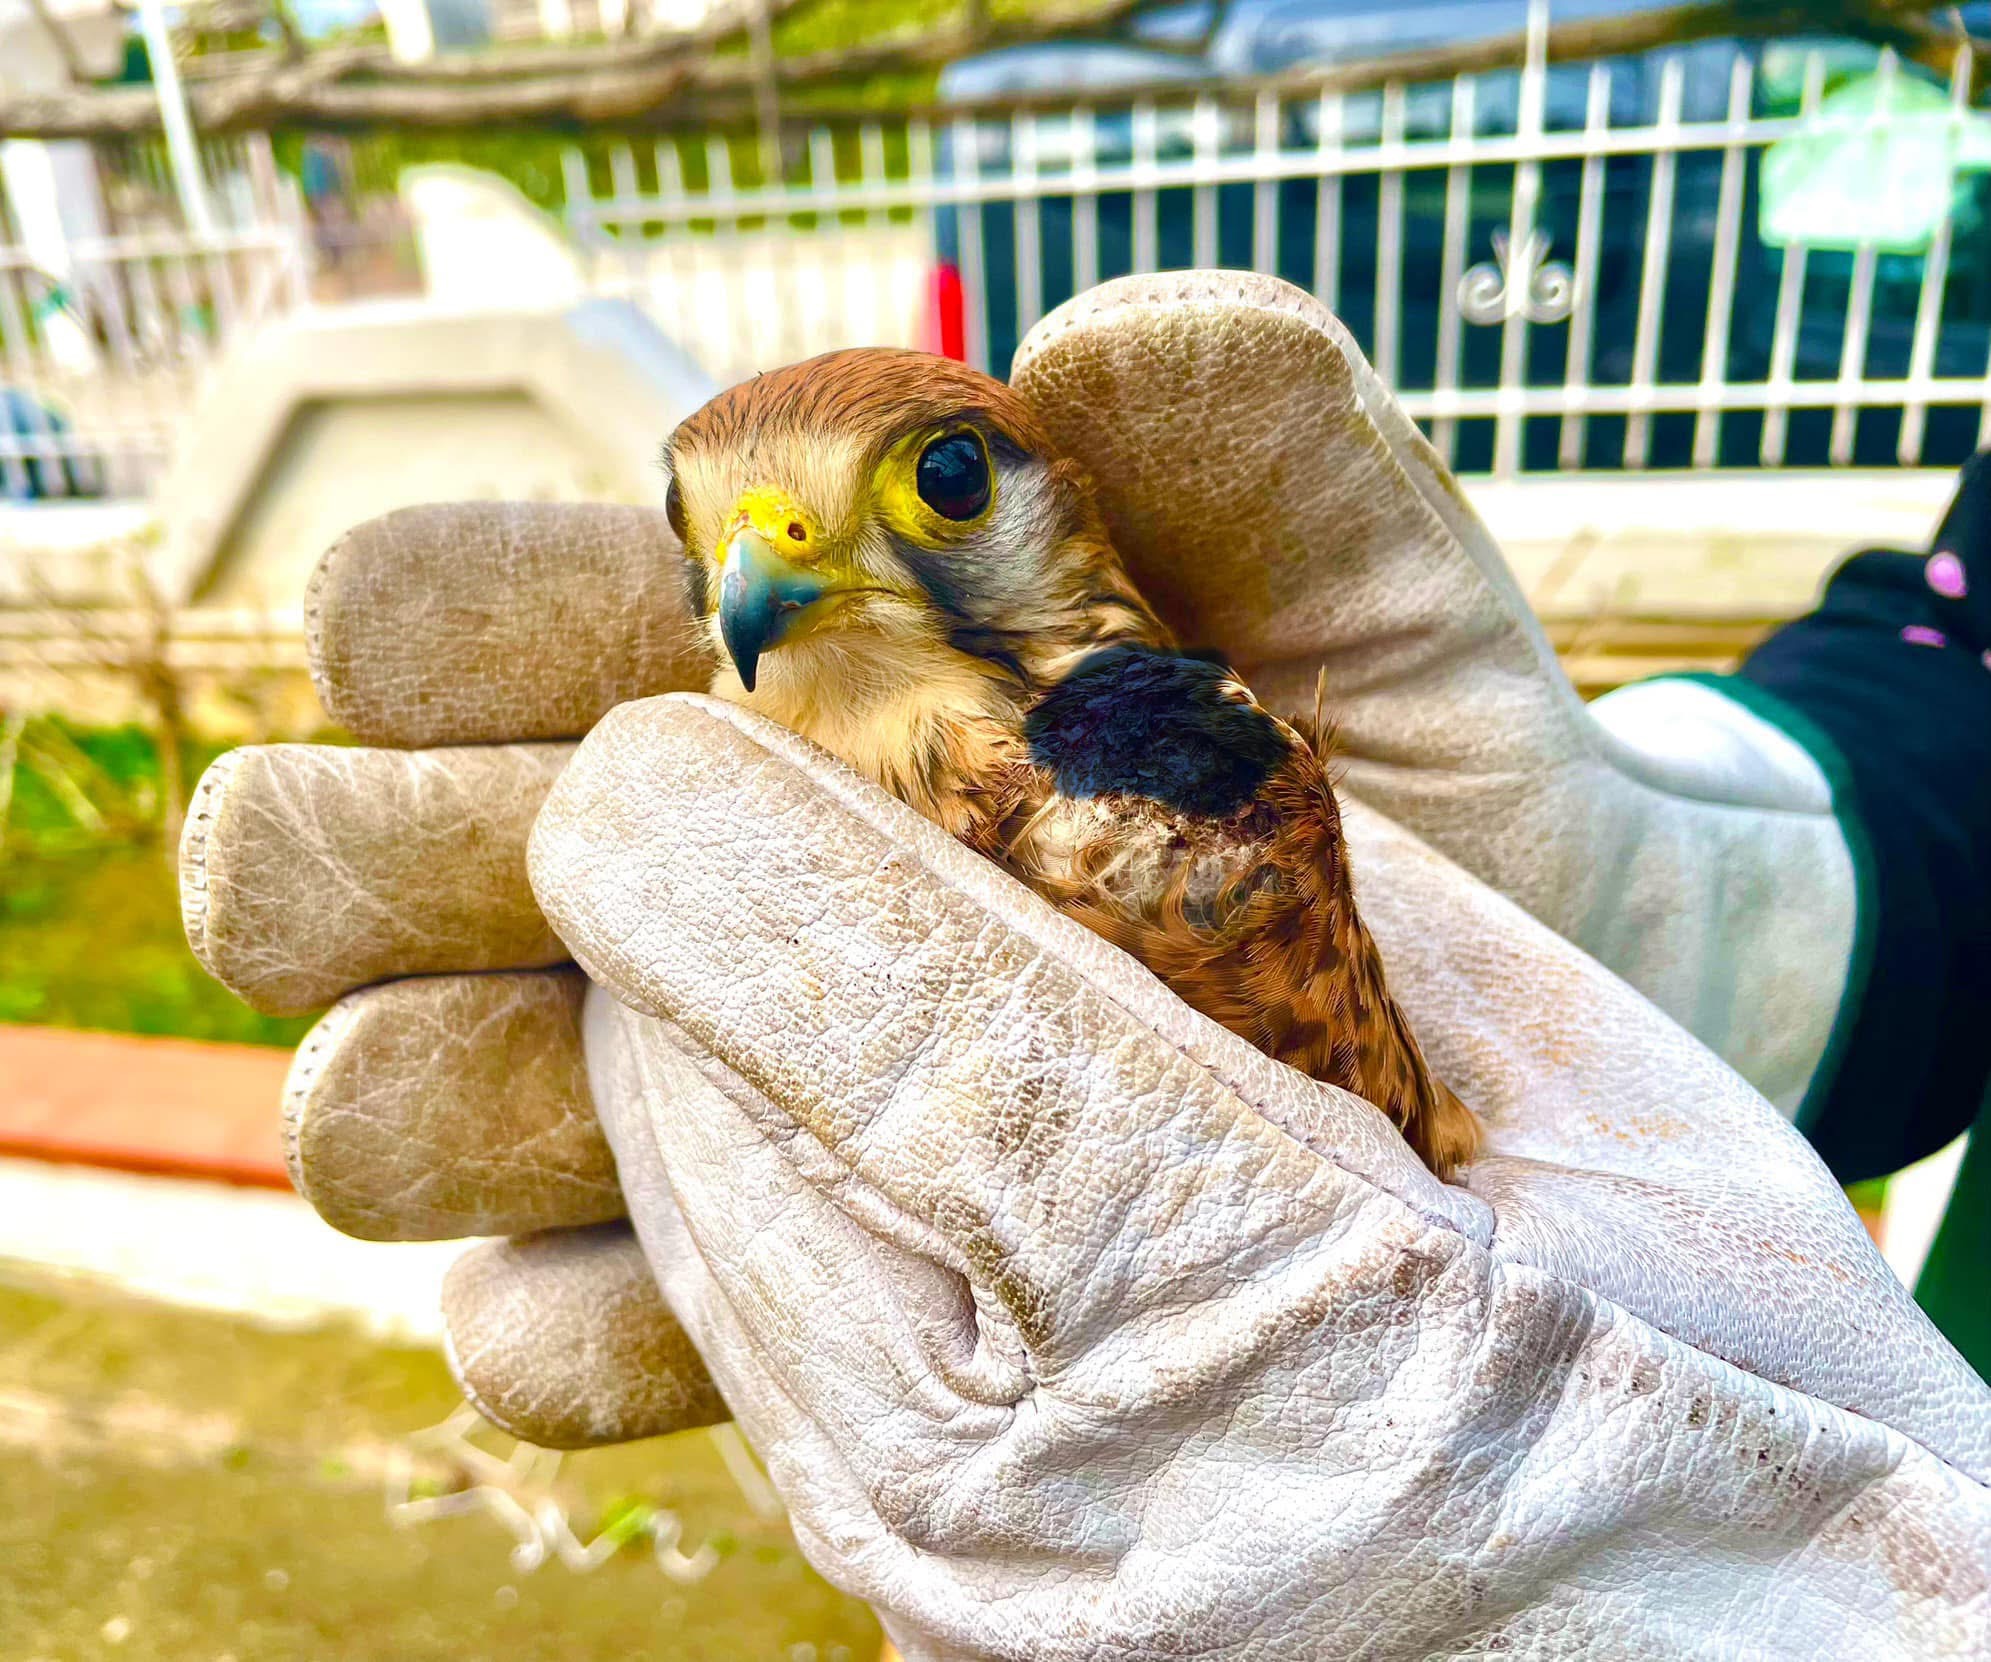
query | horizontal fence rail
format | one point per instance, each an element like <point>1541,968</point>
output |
<point>1555,268</point>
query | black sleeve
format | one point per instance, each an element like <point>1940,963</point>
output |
<point>1893,674</point>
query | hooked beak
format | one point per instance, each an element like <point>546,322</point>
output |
<point>761,597</point>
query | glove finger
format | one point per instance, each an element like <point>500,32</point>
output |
<point>492,622</point>
<point>1021,1096</point>
<point>563,1339</point>
<point>308,870</point>
<point>450,1106</point>
<point>1272,498</point>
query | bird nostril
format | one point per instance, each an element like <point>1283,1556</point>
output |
<point>797,532</point>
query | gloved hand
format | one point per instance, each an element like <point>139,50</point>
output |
<point>444,1095</point>
<point>1685,1247</point>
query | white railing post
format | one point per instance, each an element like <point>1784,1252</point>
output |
<point>180,146</point>
<point>1389,232</point>
<point>746,291</point>
<point>1452,268</point>
<point>1935,278</point>
<point>968,219</point>
<point>1721,272</point>
<point>1655,266</point>
<point>1583,275</point>
<point>1521,236</point>
<point>1327,200</point>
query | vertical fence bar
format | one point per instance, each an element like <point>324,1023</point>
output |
<point>35,436</point>
<point>14,473</point>
<point>1452,267</point>
<point>919,174</point>
<point>186,311</point>
<point>1859,302</point>
<point>1389,232</point>
<point>1521,235</point>
<point>1085,199</point>
<point>264,178</point>
<point>1984,413</point>
<point>1147,147</point>
<point>117,329</point>
<point>663,284</point>
<point>749,335</point>
<point>1265,190</point>
<point>1583,277</point>
<point>1327,201</point>
<point>227,312</point>
<point>1935,278</point>
<point>14,343</point>
<point>158,353</point>
<point>1029,222</point>
<point>1853,354</point>
<point>871,173</point>
<point>1652,273</point>
<point>974,274</point>
<point>1206,129</point>
<point>297,234</point>
<point>823,186</point>
<point>622,176</point>
<point>574,184</point>
<point>1790,302</point>
<point>1721,270</point>
<point>155,343</point>
<point>624,193</point>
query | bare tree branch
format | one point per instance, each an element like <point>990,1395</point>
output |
<point>609,86</point>
<point>294,47</point>
<point>666,84</point>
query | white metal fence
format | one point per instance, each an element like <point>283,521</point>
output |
<point>1556,268</point>
<point>105,339</point>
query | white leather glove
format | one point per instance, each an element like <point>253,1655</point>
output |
<point>1229,422</point>
<point>1072,1327</point>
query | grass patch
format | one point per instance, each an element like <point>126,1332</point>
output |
<point>90,931</point>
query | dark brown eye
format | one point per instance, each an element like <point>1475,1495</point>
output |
<point>954,476</point>
<point>674,509</point>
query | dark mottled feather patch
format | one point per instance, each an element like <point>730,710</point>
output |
<point>1137,722</point>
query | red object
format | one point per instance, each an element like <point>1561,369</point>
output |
<point>947,313</point>
<point>148,1105</point>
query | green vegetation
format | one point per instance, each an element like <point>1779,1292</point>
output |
<point>89,900</point>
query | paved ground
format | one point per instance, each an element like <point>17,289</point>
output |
<point>188,1487</point>
<point>215,1421</point>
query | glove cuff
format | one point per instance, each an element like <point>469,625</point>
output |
<point>1809,736</point>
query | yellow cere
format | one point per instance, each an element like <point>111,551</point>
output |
<point>777,516</point>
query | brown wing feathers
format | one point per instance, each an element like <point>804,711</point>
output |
<point>1276,950</point>
<point>1295,971</point>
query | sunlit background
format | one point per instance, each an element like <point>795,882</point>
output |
<point>1693,311</point>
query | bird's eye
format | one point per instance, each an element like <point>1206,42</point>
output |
<point>954,476</point>
<point>674,509</point>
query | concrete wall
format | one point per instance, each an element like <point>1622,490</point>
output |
<point>332,417</point>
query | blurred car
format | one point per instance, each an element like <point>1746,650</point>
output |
<point>1260,37</point>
